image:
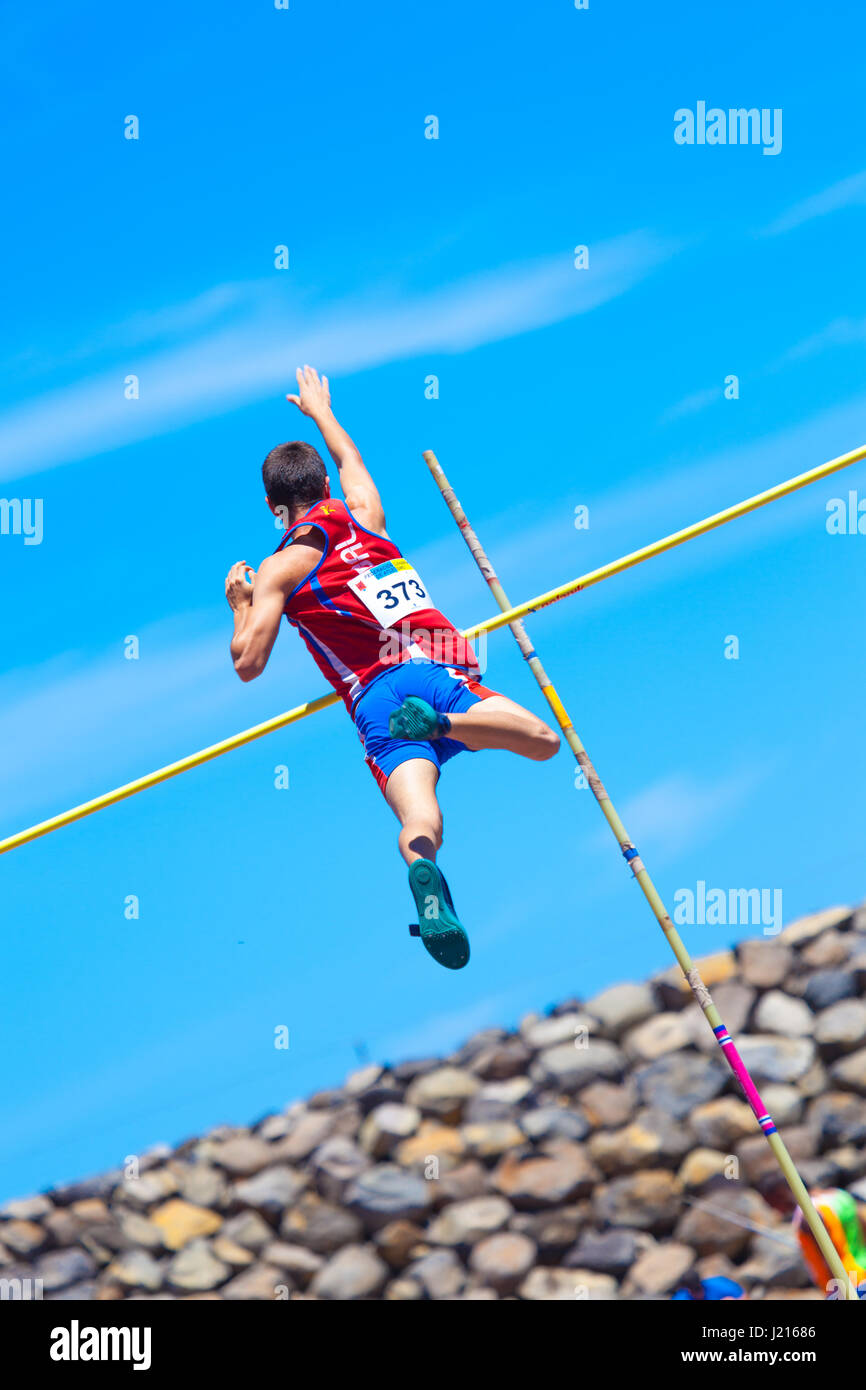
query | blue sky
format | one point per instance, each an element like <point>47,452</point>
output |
<point>605,387</point>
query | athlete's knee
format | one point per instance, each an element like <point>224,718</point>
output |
<point>431,825</point>
<point>425,826</point>
<point>545,741</point>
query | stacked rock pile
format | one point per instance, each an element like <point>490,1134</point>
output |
<point>558,1161</point>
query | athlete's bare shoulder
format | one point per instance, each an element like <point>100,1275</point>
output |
<point>311,536</point>
<point>288,567</point>
<point>371,518</point>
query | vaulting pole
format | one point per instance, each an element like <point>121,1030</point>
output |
<point>292,716</point>
<point>635,863</point>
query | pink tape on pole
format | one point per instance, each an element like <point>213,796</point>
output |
<point>738,1067</point>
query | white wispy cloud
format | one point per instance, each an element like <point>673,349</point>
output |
<point>254,356</point>
<point>841,333</point>
<point>847,193</point>
<point>679,811</point>
<point>844,332</point>
<point>696,401</point>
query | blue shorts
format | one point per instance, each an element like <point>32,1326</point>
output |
<point>448,690</point>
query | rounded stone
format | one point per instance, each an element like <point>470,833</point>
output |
<point>842,1026</point>
<point>387,1192</point>
<point>464,1223</point>
<point>765,964</point>
<point>136,1269</point>
<point>259,1284</point>
<point>271,1190</point>
<point>547,1285</point>
<point>354,1272</point>
<point>659,1271</point>
<point>650,1200</point>
<point>181,1222</point>
<point>443,1092</point>
<point>546,1181</point>
<point>549,1032</point>
<point>440,1274</point>
<point>387,1126</point>
<point>779,1013</point>
<point>771,1058</point>
<point>320,1226</point>
<point>850,1072</point>
<point>501,1261</point>
<point>569,1068</point>
<point>554,1121</point>
<point>196,1268</point>
<point>723,1122</point>
<point>657,1036</point>
<point>403,1291</point>
<point>493,1139</point>
<point>621,1007</point>
<point>681,1081</point>
<point>827,987</point>
<point>703,1164</point>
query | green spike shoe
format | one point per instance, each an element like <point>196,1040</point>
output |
<point>438,925</point>
<point>415,719</point>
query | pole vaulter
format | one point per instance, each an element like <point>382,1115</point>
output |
<point>293,716</point>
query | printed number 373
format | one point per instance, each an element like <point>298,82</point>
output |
<point>389,597</point>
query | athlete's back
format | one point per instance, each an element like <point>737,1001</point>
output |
<point>362,607</point>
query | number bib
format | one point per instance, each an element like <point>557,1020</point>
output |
<point>391,591</point>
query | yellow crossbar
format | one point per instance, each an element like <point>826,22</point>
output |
<point>292,716</point>
<point>698,528</point>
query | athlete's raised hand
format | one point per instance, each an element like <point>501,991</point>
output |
<point>314,399</point>
<point>239,589</point>
<point>314,396</point>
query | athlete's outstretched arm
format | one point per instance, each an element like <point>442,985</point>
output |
<point>361,494</point>
<point>258,605</point>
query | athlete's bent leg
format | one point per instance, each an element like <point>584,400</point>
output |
<point>498,722</point>
<point>411,793</point>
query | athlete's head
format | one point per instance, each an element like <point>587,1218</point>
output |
<point>295,477</point>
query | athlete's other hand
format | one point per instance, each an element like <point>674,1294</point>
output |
<point>239,589</point>
<point>314,395</point>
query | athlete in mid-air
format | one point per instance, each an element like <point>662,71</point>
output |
<point>405,673</point>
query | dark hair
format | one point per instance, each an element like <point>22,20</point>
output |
<point>294,475</point>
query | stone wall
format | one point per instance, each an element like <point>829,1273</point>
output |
<point>558,1161</point>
